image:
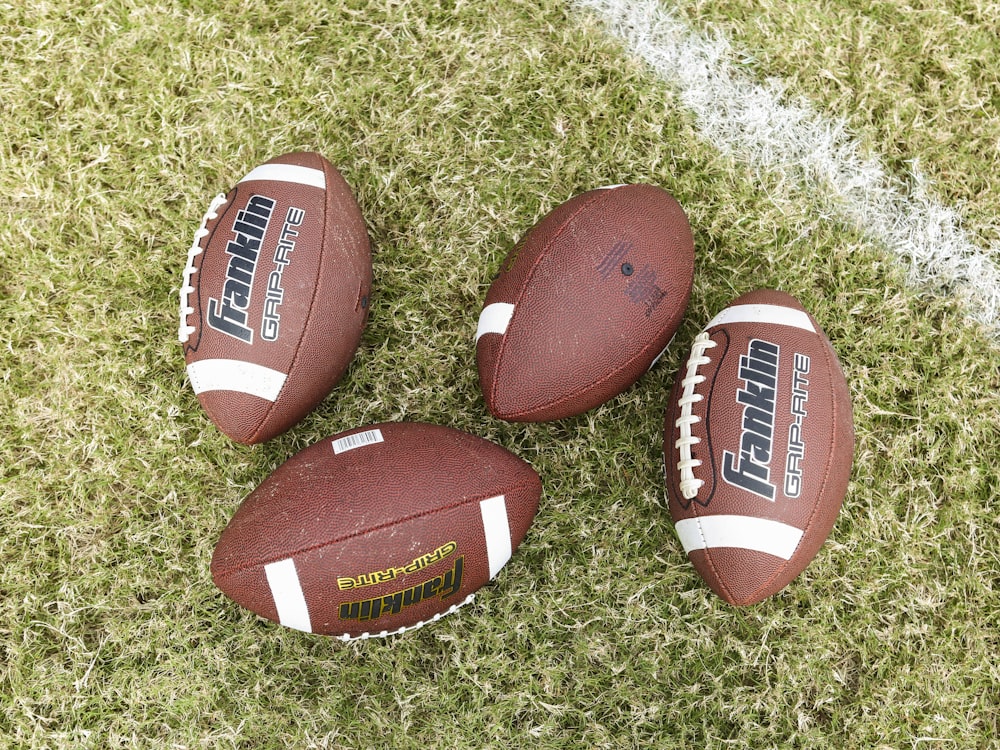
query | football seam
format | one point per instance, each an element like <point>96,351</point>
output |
<point>223,210</point>
<point>657,346</point>
<point>477,499</point>
<point>670,452</point>
<point>312,306</point>
<point>827,351</point>
<point>187,289</point>
<point>688,484</point>
<point>695,505</point>
<point>708,401</point>
<point>527,283</point>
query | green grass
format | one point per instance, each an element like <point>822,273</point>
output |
<point>919,81</point>
<point>459,125</point>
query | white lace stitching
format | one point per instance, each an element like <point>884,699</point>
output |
<point>185,330</point>
<point>686,465</point>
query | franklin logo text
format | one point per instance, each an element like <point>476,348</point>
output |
<point>229,313</point>
<point>270,325</point>
<point>796,445</point>
<point>391,574</point>
<point>751,469</point>
<point>442,586</point>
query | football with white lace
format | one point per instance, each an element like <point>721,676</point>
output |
<point>377,530</point>
<point>758,446</point>
<point>275,296</point>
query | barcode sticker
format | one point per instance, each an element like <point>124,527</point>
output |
<point>357,440</point>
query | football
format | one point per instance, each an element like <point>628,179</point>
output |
<point>584,303</point>
<point>377,530</point>
<point>275,296</point>
<point>758,446</point>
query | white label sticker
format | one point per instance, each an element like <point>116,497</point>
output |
<point>357,440</point>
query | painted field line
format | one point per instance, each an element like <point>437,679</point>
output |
<point>813,154</point>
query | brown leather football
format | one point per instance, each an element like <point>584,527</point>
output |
<point>585,303</point>
<point>377,530</point>
<point>275,296</point>
<point>758,446</point>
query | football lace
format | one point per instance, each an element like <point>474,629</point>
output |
<point>689,485</point>
<point>185,330</point>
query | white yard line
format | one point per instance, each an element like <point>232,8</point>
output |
<point>754,123</point>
